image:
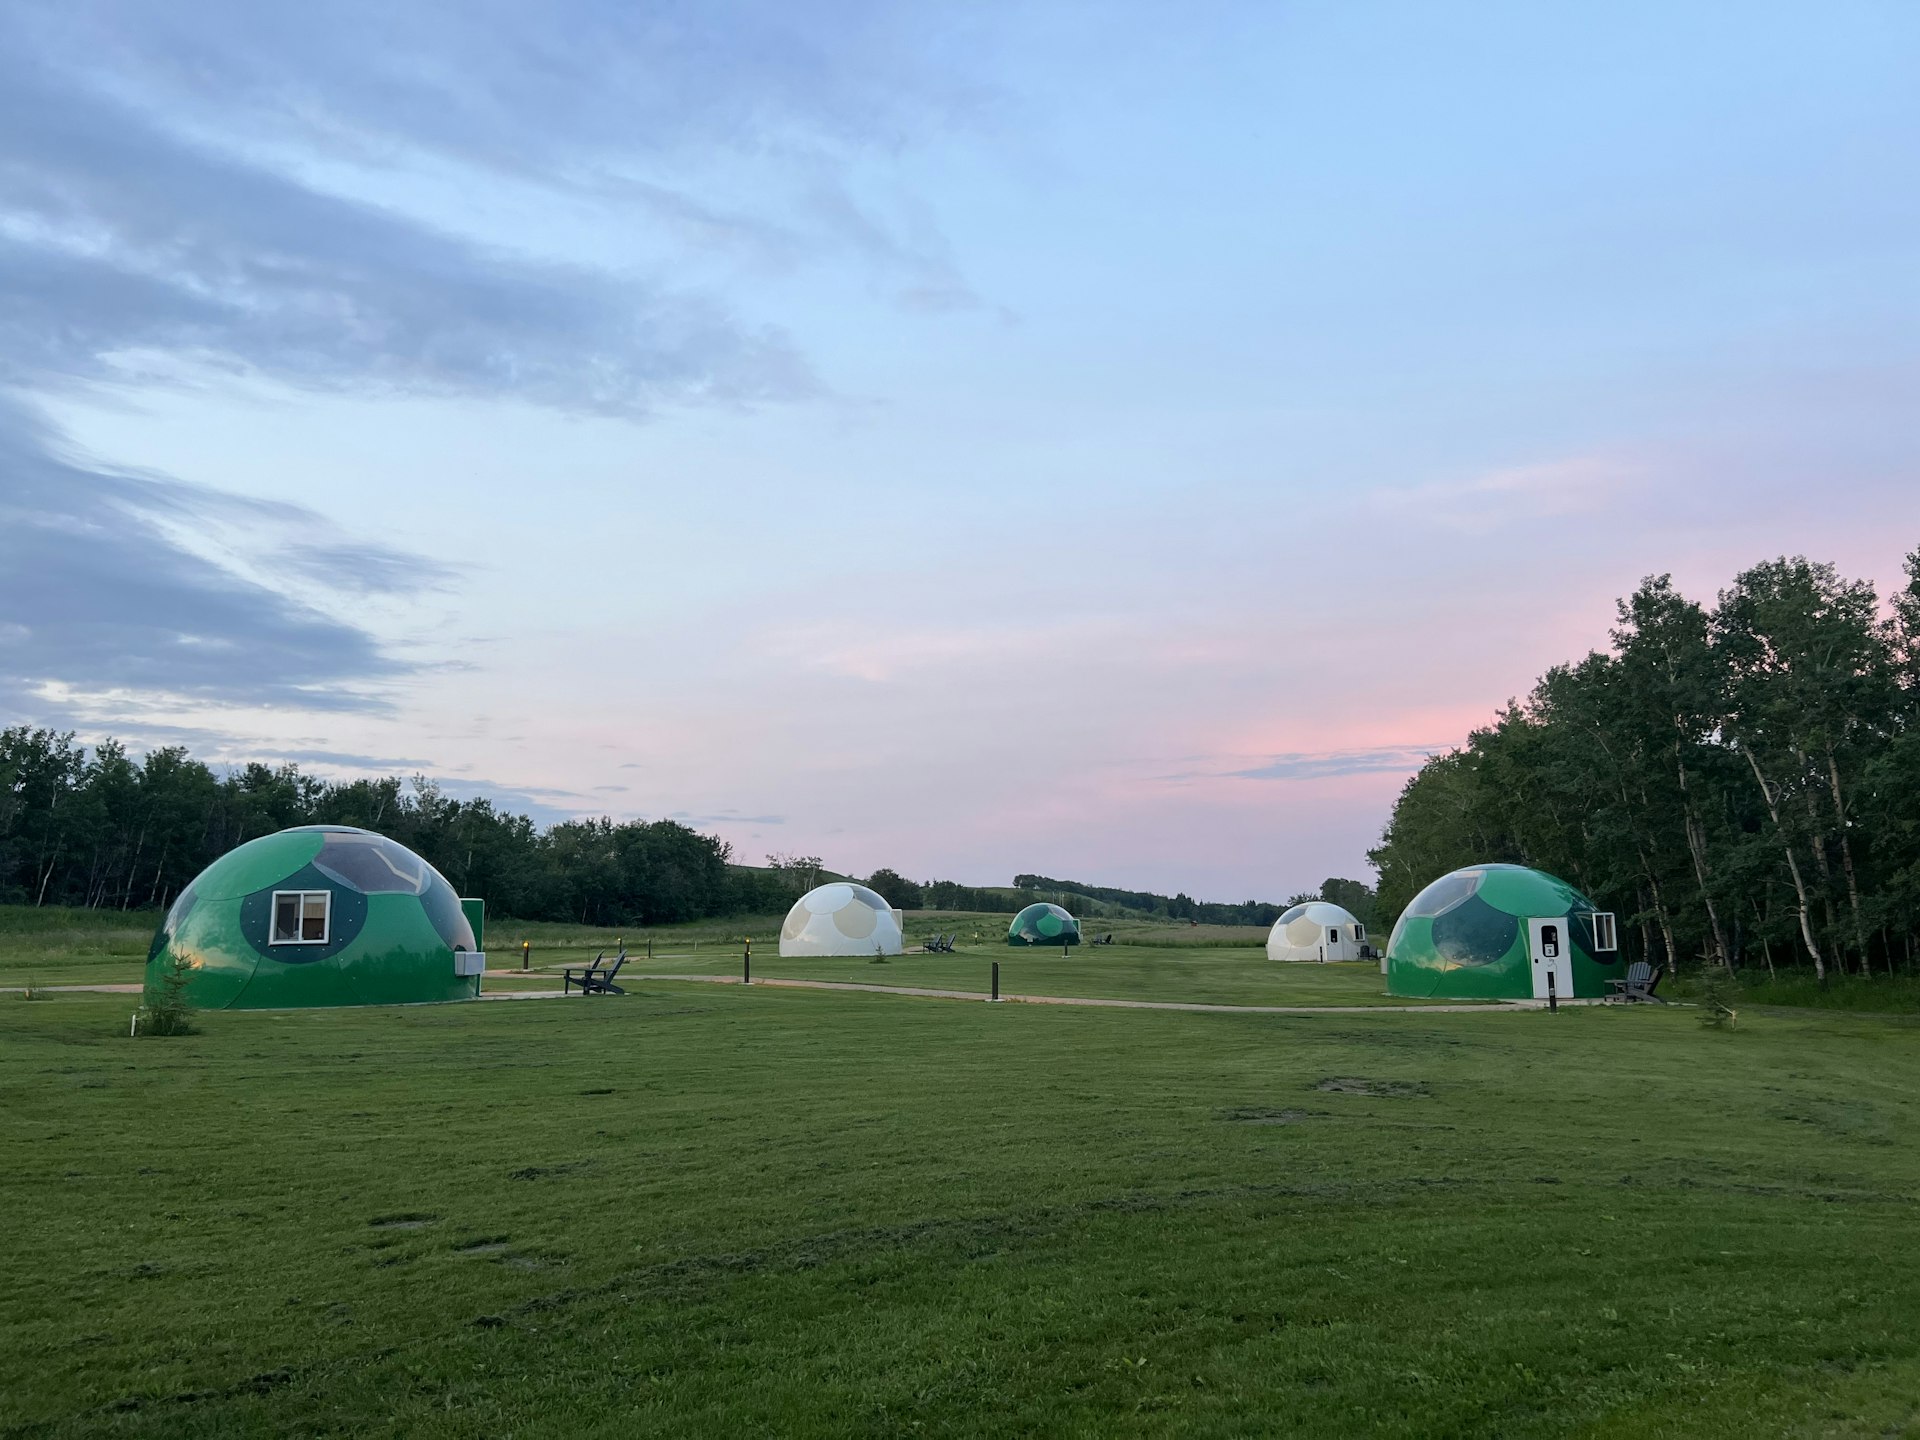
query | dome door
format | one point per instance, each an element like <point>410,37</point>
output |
<point>1548,942</point>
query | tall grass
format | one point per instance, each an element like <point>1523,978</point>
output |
<point>1879,994</point>
<point>60,922</point>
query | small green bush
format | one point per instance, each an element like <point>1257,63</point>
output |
<point>166,1011</point>
<point>1718,990</point>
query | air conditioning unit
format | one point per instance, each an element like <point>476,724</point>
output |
<point>469,962</point>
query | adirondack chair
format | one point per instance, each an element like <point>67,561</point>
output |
<point>595,979</point>
<point>579,974</point>
<point>1638,984</point>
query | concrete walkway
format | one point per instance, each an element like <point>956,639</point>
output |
<point>1500,1007</point>
<point>1490,1008</point>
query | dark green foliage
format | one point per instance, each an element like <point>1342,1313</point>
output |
<point>895,889</point>
<point>1352,896</point>
<point>95,830</point>
<point>1740,784</point>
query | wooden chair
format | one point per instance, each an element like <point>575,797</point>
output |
<point>1638,984</point>
<point>595,979</point>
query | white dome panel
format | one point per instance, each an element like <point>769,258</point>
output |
<point>841,918</point>
<point>1316,930</point>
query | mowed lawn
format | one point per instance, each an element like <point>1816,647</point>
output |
<point>1209,975</point>
<point>722,1210</point>
<point>63,947</point>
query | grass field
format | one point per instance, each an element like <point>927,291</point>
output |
<point>723,1210</point>
<point>73,947</point>
<point>973,929</point>
<point>1206,975</point>
<point>1186,962</point>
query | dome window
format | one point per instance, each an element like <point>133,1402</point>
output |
<point>300,917</point>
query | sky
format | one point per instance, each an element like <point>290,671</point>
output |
<point>1112,441</point>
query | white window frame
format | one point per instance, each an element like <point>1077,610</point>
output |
<point>1359,934</point>
<point>1596,918</point>
<point>302,896</point>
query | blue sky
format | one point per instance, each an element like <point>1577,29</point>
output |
<point>1090,439</point>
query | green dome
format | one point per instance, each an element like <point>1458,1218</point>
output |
<point>320,915</point>
<point>1043,924</point>
<point>1468,934</point>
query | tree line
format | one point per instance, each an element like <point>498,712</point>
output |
<point>1353,894</point>
<point>97,828</point>
<point>1739,782</point>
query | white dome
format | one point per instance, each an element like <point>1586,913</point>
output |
<point>1316,930</point>
<point>841,919</point>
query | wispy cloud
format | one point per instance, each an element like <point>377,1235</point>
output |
<point>726,817</point>
<point>362,567</point>
<point>1338,762</point>
<point>96,595</point>
<point>587,98</point>
<point>1482,502</point>
<point>344,760</point>
<point>119,237</point>
<point>223,190</point>
<point>1322,764</point>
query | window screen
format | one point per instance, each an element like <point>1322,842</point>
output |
<point>1359,933</point>
<point>1605,938</point>
<point>300,917</point>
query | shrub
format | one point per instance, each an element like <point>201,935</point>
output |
<point>1718,991</point>
<point>166,1011</point>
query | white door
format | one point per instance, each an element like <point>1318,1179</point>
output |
<point>1547,940</point>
